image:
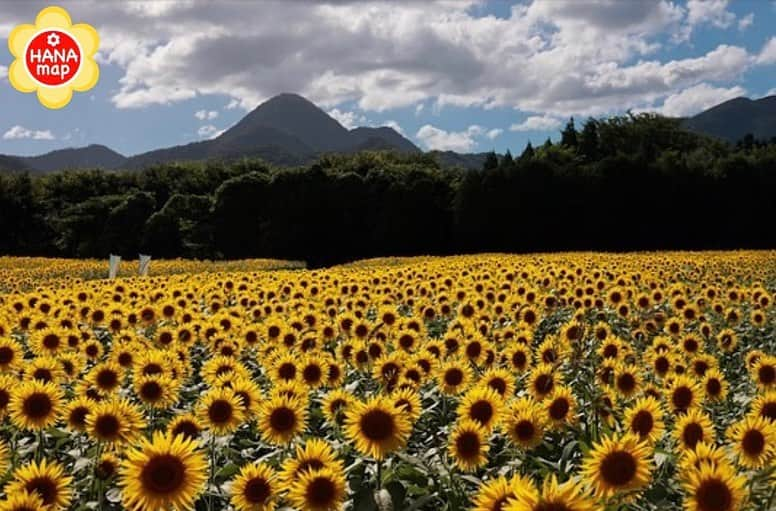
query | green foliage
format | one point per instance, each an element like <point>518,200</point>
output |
<point>637,181</point>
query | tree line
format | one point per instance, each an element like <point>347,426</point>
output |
<point>634,182</point>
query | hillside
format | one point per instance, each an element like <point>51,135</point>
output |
<point>734,119</point>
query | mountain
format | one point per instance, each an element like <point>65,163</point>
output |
<point>12,164</point>
<point>446,159</point>
<point>733,119</point>
<point>92,156</point>
<point>285,130</point>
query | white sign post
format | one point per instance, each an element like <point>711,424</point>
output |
<point>113,266</point>
<point>145,262</point>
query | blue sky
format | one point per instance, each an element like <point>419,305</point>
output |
<point>461,75</point>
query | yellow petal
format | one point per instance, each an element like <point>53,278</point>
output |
<point>18,39</point>
<point>88,38</point>
<point>54,97</point>
<point>87,76</point>
<point>53,17</point>
<point>20,78</point>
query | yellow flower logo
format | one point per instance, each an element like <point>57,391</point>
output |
<point>53,57</point>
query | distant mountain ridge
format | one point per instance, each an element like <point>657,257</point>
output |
<point>734,119</point>
<point>285,130</point>
<point>290,130</point>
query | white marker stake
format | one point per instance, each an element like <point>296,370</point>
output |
<point>145,262</point>
<point>113,266</point>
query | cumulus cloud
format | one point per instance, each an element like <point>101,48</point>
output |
<point>20,132</point>
<point>571,56</point>
<point>395,125</point>
<point>348,119</point>
<point>208,131</point>
<point>768,53</point>
<point>206,115</point>
<point>698,98</point>
<point>537,123</point>
<point>746,21</point>
<point>460,141</point>
<point>494,133</point>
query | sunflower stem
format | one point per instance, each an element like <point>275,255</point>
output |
<point>212,474</point>
<point>379,474</point>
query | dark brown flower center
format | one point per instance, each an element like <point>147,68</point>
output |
<point>6,355</point>
<point>618,468</point>
<point>107,426</point>
<point>642,423</point>
<point>163,474</point>
<point>559,408</point>
<point>45,488</point>
<point>481,411</point>
<point>692,434</point>
<point>37,405</point>
<point>714,495</point>
<point>187,429</point>
<point>220,411</point>
<point>453,377</point>
<point>321,492</point>
<point>282,419</point>
<point>753,442</point>
<point>525,430</point>
<point>682,398</point>
<point>468,445</point>
<point>257,490</point>
<point>377,425</point>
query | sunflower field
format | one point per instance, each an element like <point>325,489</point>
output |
<point>547,382</point>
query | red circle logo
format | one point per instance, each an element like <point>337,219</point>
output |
<point>53,58</point>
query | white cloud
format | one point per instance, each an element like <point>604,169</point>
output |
<point>571,56</point>
<point>494,133</point>
<point>19,132</point>
<point>419,108</point>
<point>746,21</point>
<point>395,125</point>
<point>206,115</point>
<point>348,119</point>
<point>461,141</point>
<point>771,92</point>
<point>537,123</point>
<point>3,72</point>
<point>208,131</point>
<point>768,53</point>
<point>234,103</point>
<point>695,99</point>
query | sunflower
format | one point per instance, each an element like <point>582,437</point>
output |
<point>281,418</point>
<point>454,377</point>
<point>754,439</point>
<point>560,407</point>
<point>715,385</point>
<point>764,372</point>
<point>254,488</point>
<point>376,427</point>
<point>568,496</point>
<point>35,405</point>
<point>249,394</point>
<point>71,364</point>
<point>4,457</point>
<point>185,425</point>
<point>543,380</point>
<point>519,357</point>
<point>155,391</point>
<point>468,445</point>
<point>115,421</point>
<point>494,494</point>
<point>44,369</point>
<point>482,405</point>
<point>315,454</point>
<point>683,394</point>
<point>335,405</point>
<point>22,501</point>
<point>166,471</point>
<point>313,371</point>
<point>408,401</point>
<point>107,466</point>
<point>714,488</point>
<point>318,490</point>
<point>525,423</point>
<point>693,427</point>
<point>7,385</point>
<point>616,465</point>
<point>703,453</point>
<point>11,355</point>
<point>764,405</point>
<point>627,380</point>
<point>645,419</point>
<point>500,380</point>
<point>46,479</point>
<point>221,411</point>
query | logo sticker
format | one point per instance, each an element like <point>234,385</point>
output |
<point>53,57</point>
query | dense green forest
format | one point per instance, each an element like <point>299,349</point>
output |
<point>624,183</point>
